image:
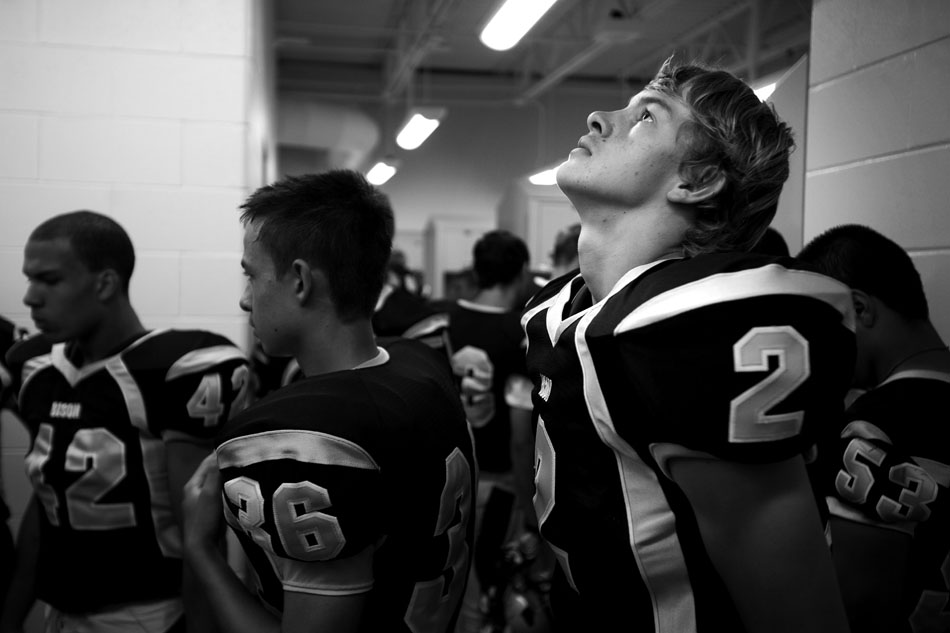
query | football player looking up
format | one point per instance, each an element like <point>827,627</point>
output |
<point>351,488</point>
<point>679,380</point>
<point>119,418</point>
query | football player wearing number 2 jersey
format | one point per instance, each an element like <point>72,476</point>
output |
<point>680,380</point>
<point>350,489</point>
<point>119,419</point>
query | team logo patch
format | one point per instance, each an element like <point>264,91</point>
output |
<point>68,410</point>
<point>545,390</point>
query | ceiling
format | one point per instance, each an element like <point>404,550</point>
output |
<point>391,51</point>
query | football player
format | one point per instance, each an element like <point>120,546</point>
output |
<point>350,489</point>
<point>889,472</point>
<point>679,381</point>
<point>487,353</point>
<point>119,418</point>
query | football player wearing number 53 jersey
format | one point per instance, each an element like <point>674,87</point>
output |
<point>888,471</point>
<point>119,419</point>
<point>680,380</point>
<point>350,489</point>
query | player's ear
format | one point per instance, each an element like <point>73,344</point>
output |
<point>865,311</point>
<point>302,278</point>
<point>108,284</point>
<point>697,185</point>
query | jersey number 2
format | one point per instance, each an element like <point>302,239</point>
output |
<point>100,457</point>
<point>748,421</point>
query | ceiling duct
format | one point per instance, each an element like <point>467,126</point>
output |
<point>346,135</point>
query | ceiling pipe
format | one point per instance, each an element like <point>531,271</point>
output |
<point>614,30</point>
<point>423,41</point>
<point>612,34</point>
<point>634,71</point>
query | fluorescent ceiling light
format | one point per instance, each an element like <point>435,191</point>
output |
<point>421,122</point>
<point>546,177</point>
<point>765,91</point>
<point>381,172</point>
<point>512,21</point>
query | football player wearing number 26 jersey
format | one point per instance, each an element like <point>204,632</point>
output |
<point>351,489</point>
<point>119,419</point>
<point>680,380</point>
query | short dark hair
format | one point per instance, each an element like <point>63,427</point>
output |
<point>498,258</point>
<point>335,221</point>
<point>739,136</point>
<point>865,260</point>
<point>565,244</point>
<point>99,242</point>
<point>771,243</point>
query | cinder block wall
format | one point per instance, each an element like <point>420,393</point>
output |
<point>879,129</point>
<point>156,113</point>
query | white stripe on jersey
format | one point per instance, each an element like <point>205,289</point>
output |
<point>312,447</point>
<point>131,393</point>
<point>201,359</point>
<point>919,373</point>
<point>74,374</point>
<point>772,279</point>
<point>427,326</point>
<point>650,521</point>
<point>32,367</point>
<point>155,464</point>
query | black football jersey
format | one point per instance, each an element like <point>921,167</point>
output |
<point>891,469</point>
<point>401,312</point>
<point>729,356</point>
<point>487,353</point>
<point>358,481</point>
<point>97,458</point>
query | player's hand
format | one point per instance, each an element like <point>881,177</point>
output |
<point>202,506</point>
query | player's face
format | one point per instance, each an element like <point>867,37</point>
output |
<point>267,296</point>
<point>61,291</point>
<point>630,157</point>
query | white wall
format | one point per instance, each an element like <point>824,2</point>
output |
<point>138,109</point>
<point>879,129</point>
<point>156,113</point>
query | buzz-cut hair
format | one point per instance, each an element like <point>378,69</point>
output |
<point>98,241</point>
<point>865,260</point>
<point>498,258</point>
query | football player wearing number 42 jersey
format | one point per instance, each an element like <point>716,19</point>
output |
<point>888,471</point>
<point>680,381</point>
<point>350,489</point>
<point>119,419</point>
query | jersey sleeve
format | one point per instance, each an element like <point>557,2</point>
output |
<point>311,501</point>
<point>754,378</point>
<point>879,484</point>
<point>204,380</point>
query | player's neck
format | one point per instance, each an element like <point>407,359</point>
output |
<point>120,326</point>
<point>336,346</point>
<point>497,297</point>
<point>918,347</point>
<point>611,243</point>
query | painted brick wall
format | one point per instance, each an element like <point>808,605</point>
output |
<point>156,113</point>
<point>879,129</point>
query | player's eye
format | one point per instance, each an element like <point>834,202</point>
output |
<point>646,115</point>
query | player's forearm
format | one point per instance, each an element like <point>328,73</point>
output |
<point>21,594</point>
<point>871,563</point>
<point>233,607</point>
<point>761,529</point>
